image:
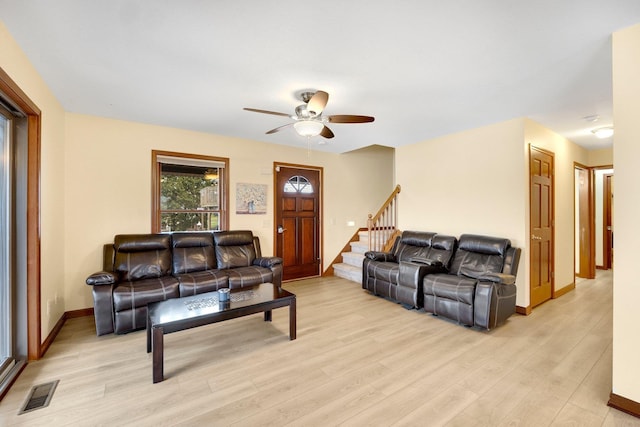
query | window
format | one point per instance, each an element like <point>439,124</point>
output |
<point>298,184</point>
<point>190,192</point>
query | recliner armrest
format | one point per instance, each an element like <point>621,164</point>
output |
<point>101,278</point>
<point>267,262</point>
<point>427,261</point>
<point>411,273</point>
<point>503,279</point>
<point>380,256</point>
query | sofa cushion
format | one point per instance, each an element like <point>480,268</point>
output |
<point>478,255</point>
<point>455,288</point>
<point>387,271</point>
<point>200,282</point>
<point>442,249</point>
<point>234,249</point>
<point>129,295</point>
<point>484,244</point>
<point>241,277</point>
<point>413,244</point>
<point>142,256</point>
<point>192,252</point>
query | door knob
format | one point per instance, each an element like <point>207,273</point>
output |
<point>281,229</point>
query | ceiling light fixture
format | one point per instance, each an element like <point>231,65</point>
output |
<point>308,128</point>
<point>604,132</point>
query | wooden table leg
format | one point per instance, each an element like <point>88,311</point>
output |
<point>148,335</point>
<point>267,316</point>
<point>292,319</point>
<point>158,354</point>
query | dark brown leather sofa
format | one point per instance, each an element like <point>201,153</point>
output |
<point>479,288</point>
<point>142,268</point>
<point>398,274</point>
<point>470,280</point>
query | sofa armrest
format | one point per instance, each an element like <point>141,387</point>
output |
<point>267,262</point>
<point>503,279</point>
<point>101,278</point>
<point>411,273</point>
<point>427,261</point>
<point>380,256</point>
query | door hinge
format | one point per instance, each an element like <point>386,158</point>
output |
<point>552,274</point>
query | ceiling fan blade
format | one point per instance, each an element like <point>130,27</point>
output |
<point>348,118</point>
<point>278,129</point>
<point>275,113</point>
<point>317,102</point>
<point>326,132</point>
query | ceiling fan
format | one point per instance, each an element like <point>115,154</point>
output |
<point>308,118</point>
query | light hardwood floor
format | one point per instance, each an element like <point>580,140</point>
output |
<point>358,360</point>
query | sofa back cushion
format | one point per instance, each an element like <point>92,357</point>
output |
<point>142,256</point>
<point>477,255</point>
<point>234,248</point>
<point>442,248</point>
<point>192,252</point>
<point>413,244</point>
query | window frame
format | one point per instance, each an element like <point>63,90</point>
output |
<point>156,174</point>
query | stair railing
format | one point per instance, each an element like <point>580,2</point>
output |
<point>383,226</point>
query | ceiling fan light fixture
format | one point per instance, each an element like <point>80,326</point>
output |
<point>308,128</point>
<point>604,132</point>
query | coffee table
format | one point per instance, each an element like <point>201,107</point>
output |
<point>178,314</point>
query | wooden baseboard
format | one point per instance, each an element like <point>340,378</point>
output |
<point>563,291</point>
<point>60,323</point>
<point>83,312</point>
<point>523,310</point>
<point>623,404</point>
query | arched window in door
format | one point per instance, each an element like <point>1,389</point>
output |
<point>298,184</point>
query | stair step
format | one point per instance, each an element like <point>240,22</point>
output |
<point>348,272</point>
<point>359,247</point>
<point>353,258</point>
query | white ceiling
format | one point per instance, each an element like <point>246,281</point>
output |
<point>423,68</point>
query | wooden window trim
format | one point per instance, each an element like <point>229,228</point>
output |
<point>155,186</point>
<point>16,95</point>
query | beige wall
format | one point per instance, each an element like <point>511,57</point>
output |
<point>468,182</point>
<point>602,157</point>
<point>52,213</point>
<point>626,152</point>
<point>108,187</point>
<point>477,181</point>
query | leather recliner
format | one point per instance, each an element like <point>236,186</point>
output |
<point>479,288</point>
<point>398,274</point>
<point>139,269</point>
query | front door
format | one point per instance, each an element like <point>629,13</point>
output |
<point>297,215</point>
<point>541,204</point>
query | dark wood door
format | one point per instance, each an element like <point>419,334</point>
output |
<point>586,256</point>
<point>541,204</point>
<point>297,211</point>
<point>608,221</point>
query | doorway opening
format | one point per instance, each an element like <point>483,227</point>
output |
<point>594,214</point>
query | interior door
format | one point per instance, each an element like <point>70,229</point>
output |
<point>608,221</point>
<point>586,255</point>
<point>541,206</point>
<point>297,211</point>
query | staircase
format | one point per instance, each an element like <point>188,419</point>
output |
<point>351,266</point>
<point>379,236</point>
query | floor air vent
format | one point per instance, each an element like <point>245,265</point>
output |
<point>39,397</point>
